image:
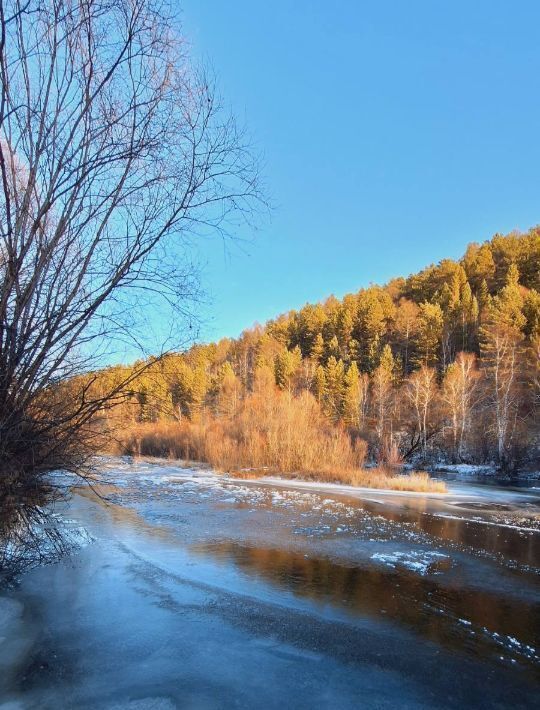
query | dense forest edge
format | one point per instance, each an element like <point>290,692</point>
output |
<point>439,367</point>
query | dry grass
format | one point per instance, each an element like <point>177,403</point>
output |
<point>170,440</point>
<point>380,478</point>
<point>419,482</point>
<point>277,434</point>
<point>248,474</point>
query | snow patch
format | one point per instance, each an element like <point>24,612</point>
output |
<point>417,561</point>
<point>466,469</point>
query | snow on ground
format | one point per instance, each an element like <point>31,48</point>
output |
<point>466,469</point>
<point>479,471</point>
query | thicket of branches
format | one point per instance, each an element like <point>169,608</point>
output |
<point>442,365</point>
<point>114,153</point>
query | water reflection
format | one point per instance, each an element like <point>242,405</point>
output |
<point>469,620</point>
<point>31,535</point>
<point>483,534</point>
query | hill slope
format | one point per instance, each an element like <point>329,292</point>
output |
<point>443,363</point>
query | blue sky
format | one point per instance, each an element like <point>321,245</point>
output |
<point>393,134</point>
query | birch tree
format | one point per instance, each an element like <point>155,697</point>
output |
<point>421,391</point>
<point>502,358</point>
<point>459,396</point>
<point>501,352</point>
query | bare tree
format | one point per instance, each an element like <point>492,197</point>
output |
<point>114,152</point>
<point>421,392</point>
<point>459,396</point>
<point>502,363</point>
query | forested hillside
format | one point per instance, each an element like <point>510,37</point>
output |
<point>442,364</point>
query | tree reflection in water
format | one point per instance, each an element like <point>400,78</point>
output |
<point>446,613</point>
<point>33,533</point>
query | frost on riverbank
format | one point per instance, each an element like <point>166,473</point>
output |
<point>473,471</point>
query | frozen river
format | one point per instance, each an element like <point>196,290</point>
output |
<point>199,591</point>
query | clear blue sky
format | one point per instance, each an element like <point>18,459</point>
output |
<point>393,132</point>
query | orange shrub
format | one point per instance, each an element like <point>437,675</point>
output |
<point>270,432</point>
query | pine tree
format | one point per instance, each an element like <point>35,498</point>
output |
<point>484,297</point>
<point>320,385</point>
<point>531,311</point>
<point>375,310</point>
<point>404,332</point>
<point>344,328</point>
<point>335,374</point>
<point>508,304</point>
<point>354,351</point>
<point>429,336</point>
<point>286,366</point>
<point>479,265</point>
<point>318,348</point>
<point>332,348</point>
<point>355,396</point>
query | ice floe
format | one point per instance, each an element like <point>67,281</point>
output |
<point>421,561</point>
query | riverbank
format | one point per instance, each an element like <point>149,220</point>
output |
<point>297,449</point>
<point>485,472</point>
<point>372,478</point>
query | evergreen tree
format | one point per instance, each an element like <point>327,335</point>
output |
<point>354,351</point>
<point>508,304</point>
<point>531,312</point>
<point>355,396</point>
<point>479,265</point>
<point>484,297</point>
<point>318,348</point>
<point>332,348</point>
<point>335,374</point>
<point>286,366</point>
<point>429,335</point>
<point>345,324</point>
<point>375,311</point>
<point>320,385</point>
<point>405,329</point>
